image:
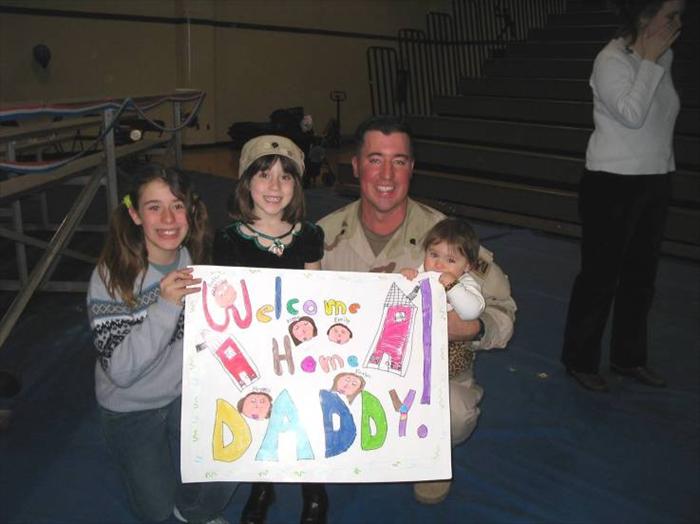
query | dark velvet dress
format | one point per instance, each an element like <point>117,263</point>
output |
<point>235,246</point>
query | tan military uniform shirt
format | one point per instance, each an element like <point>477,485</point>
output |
<point>346,249</point>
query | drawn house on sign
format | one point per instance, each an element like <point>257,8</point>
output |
<point>389,350</point>
<point>232,357</point>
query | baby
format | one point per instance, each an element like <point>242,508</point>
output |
<point>452,249</point>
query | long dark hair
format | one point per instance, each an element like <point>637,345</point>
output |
<point>124,256</point>
<point>632,12</point>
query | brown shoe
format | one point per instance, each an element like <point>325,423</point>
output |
<point>432,492</point>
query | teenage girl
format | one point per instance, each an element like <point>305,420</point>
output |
<point>135,305</point>
<point>269,231</point>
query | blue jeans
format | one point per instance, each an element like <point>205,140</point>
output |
<point>146,446</point>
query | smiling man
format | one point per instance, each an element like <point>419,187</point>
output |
<point>383,231</point>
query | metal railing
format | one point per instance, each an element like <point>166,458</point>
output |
<point>99,162</point>
<point>404,79</point>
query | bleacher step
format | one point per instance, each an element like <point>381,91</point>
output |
<point>554,88</point>
<point>601,17</point>
<point>528,135</point>
<point>560,112</point>
<point>553,170</point>
<point>684,72</point>
<point>573,33</point>
<point>476,196</point>
<point>581,50</point>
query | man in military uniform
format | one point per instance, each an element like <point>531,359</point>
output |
<point>384,231</point>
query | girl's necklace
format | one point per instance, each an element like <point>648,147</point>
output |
<point>277,246</point>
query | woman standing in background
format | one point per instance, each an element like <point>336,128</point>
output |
<point>624,194</point>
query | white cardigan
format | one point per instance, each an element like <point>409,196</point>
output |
<point>634,110</point>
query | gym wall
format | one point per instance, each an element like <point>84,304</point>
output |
<point>250,56</point>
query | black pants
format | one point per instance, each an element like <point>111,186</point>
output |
<point>623,219</point>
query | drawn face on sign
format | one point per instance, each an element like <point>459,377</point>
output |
<point>224,294</point>
<point>348,385</point>
<point>302,329</point>
<point>256,406</point>
<point>339,333</point>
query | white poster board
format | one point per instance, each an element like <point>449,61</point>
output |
<point>303,376</point>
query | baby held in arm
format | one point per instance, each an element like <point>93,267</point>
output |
<point>451,249</point>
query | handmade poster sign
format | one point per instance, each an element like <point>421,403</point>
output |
<point>302,376</point>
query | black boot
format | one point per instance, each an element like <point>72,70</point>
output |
<point>262,494</point>
<point>315,507</point>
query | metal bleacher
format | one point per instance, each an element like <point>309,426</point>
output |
<point>508,143</point>
<point>26,173</point>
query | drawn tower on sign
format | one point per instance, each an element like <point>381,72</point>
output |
<point>233,358</point>
<point>390,348</point>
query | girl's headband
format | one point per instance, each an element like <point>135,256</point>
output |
<point>270,145</point>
